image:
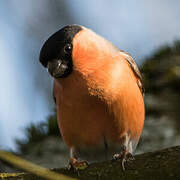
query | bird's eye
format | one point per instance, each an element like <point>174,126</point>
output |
<point>67,48</point>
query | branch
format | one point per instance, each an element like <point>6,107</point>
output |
<point>163,164</point>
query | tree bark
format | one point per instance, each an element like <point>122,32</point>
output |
<point>158,165</point>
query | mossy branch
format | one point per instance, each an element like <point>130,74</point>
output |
<point>29,167</point>
<point>163,164</point>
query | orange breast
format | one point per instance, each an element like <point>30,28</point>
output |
<point>86,115</point>
<point>84,120</point>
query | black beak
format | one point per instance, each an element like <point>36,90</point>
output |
<point>57,68</point>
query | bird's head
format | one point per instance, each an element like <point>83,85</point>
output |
<point>75,48</point>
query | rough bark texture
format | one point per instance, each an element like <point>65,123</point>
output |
<point>163,164</point>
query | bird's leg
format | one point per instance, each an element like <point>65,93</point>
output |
<point>74,163</point>
<point>77,165</point>
<point>124,156</point>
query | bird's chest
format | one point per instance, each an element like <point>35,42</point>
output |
<point>83,120</point>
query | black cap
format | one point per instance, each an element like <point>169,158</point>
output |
<point>53,46</point>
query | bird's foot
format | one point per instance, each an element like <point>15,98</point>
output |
<point>74,164</point>
<point>124,157</point>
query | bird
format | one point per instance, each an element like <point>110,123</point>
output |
<point>99,95</point>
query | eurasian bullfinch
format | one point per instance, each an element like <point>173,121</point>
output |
<point>99,95</point>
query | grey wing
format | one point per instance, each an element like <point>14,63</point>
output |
<point>54,96</point>
<point>135,69</point>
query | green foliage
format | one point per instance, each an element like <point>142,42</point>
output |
<point>161,69</point>
<point>38,132</point>
<point>161,77</point>
<point>52,126</point>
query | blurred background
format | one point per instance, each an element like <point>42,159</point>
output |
<point>148,30</point>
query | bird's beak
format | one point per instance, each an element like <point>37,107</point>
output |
<point>56,68</point>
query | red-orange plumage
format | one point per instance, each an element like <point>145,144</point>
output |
<point>101,100</point>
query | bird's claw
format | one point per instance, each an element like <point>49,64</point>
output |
<point>76,165</point>
<point>124,157</point>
